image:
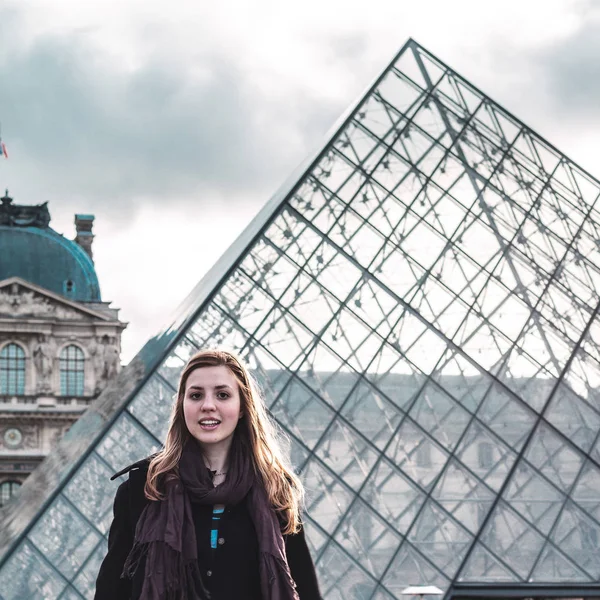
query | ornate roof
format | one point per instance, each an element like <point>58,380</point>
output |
<point>32,250</point>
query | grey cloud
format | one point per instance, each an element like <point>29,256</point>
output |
<point>570,70</point>
<point>86,130</point>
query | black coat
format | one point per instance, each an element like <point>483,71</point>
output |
<point>231,572</point>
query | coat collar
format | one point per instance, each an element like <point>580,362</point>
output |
<point>140,464</point>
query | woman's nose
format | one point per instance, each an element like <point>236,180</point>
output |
<point>209,403</point>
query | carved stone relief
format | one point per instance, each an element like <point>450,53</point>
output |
<point>105,356</point>
<point>19,302</point>
<point>31,436</point>
<point>55,436</point>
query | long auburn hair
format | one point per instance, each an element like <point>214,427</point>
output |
<point>283,487</point>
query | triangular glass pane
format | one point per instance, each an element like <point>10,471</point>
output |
<point>315,536</point>
<point>533,497</point>
<point>28,575</point>
<point>485,122</point>
<point>554,457</point>
<point>269,374</point>
<point>410,567</point>
<point>470,96</point>
<point>326,498</point>
<point>512,539</point>
<point>372,414</point>
<point>393,495</point>
<point>399,384</point>
<point>464,496</point>
<point>440,415</point>
<point>434,69</point>
<point>448,93</point>
<point>341,577</point>
<point>587,490</point>
<point>500,408</point>
<point>85,582</point>
<point>588,188</point>
<point>549,159</point>
<point>81,492</point>
<point>485,455</point>
<point>125,443</point>
<point>71,594</point>
<point>527,380</point>
<point>243,302</point>
<point>381,594</point>
<point>429,121</point>
<point>152,405</point>
<point>578,537</point>
<point>573,417</point>
<point>286,337</point>
<point>347,453</point>
<point>302,413</point>
<point>554,566</point>
<point>526,151</point>
<point>440,538</point>
<point>407,65</point>
<point>509,128</point>
<point>379,118</point>
<point>297,452</point>
<point>483,566</point>
<point>417,455</point>
<point>171,367</point>
<point>310,304</point>
<point>327,375</point>
<point>373,305</point>
<point>562,180</point>
<point>462,380</point>
<point>368,539</point>
<point>399,92</point>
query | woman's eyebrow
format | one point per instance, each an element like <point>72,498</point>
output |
<point>217,387</point>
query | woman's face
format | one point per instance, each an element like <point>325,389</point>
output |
<point>212,405</point>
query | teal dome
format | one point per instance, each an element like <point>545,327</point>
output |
<point>43,257</point>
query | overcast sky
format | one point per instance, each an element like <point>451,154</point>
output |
<point>173,122</point>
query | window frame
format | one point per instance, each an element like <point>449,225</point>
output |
<point>13,369</point>
<point>71,370</point>
<point>13,486</point>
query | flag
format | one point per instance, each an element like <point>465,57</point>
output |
<point>3,149</point>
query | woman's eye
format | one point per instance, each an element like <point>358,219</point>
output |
<point>195,396</point>
<point>223,395</point>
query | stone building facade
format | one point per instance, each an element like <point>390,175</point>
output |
<point>59,342</point>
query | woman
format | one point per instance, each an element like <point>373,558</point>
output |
<point>216,513</point>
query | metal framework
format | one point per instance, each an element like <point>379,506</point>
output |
<point>420,308</point>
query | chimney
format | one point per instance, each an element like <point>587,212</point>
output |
<point>85,237</point>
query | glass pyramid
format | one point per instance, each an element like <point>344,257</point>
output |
<point>420,306</point>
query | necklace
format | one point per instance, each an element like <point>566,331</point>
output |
<point>215,474</point>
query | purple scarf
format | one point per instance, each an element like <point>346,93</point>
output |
<point>166,536</point>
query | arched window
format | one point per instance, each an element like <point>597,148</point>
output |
<point>8,490</point>
<point>12,370</point>
<point>72,364</point>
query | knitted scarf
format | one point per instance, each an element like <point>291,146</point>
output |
<point>166,537</point>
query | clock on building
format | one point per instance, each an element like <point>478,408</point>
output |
<point>13,437</point>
